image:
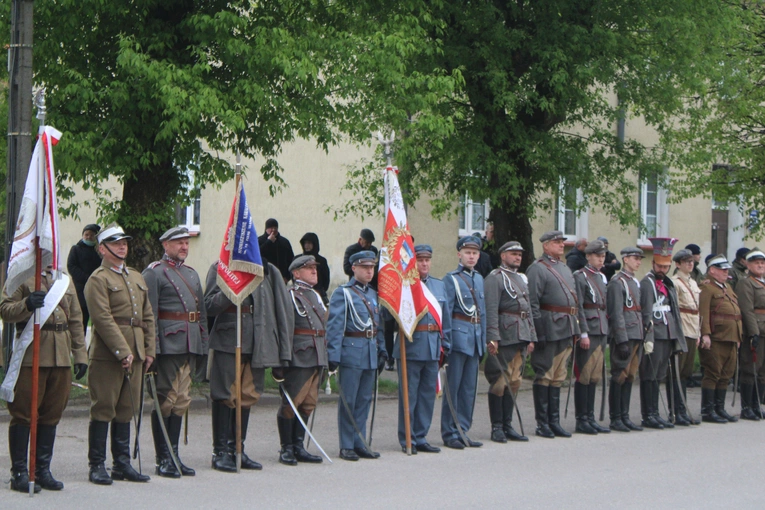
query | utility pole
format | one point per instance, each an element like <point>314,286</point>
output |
<point>19,129</point>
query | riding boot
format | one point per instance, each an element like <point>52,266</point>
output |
<point>747,411</point>
<point>508,403</point>
<point>286,454</point>
<point>615,407</point>
<point>97,432</point>
<point>591,390</point>
<point>247,463</point>
<point>708,413</point>
<point>682,418</point>
<point>18,443</point>
<point>222,458</point>
<point>553,412</point>
<point>121,468</point>
<point>298,438</point>
<point>46,436</point>
<point>540,411</point>
<point>174,423</point>
<point>756,393</point>
<point>646,406</point>
<point>496,418</point>
<point>656,414</point>
<point>626,397</point>
<point>164,463</point>
<point>720,405</point>
<point>581,410</point>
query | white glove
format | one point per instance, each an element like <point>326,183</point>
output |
<point>648,347</point>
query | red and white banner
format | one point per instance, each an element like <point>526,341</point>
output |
<point>40,185</point>
<point>398,283</point>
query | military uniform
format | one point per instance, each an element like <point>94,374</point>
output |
<point>751,300</point>
<point>509,324</point>
<point>593,322</point>
<point>555,307</point>
<point>626,334</point>
<point>465,302</point>
<point>721,321</point>
<point>60,336</point>
<point>355,344</point>
<point>267,326</point>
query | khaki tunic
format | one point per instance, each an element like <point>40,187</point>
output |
<point>718,306</point>
<point>688,293</point>
<point>751,299</point>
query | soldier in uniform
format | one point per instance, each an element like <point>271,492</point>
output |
<point>177,299</point>
<point>751,300</point>
<point>60,335</point>
<point>658,300</point>
<point>721,331</point>
<point>465,302</point>
<point>267,324</point>
<point>509,331</point>
<point>626,335</point>
<point>422,356</point>
<point>555,308</point>
<point>122,346</point>
<point>591,348</point>
<point>355,345</point>
<point>688,303</point>
<point>309,358</point>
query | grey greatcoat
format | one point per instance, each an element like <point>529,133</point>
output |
<point>508,310</point>
<point>310,314</point>
<point>667,324</point>
<point>625,321</point>
<point>591,292</point>
<point>552,289</point>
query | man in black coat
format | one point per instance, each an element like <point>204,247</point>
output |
<point>366,238</point>
<point>83,260</point>
<point>310,244</point>
<point>612,264</point>
<point>276,249</point>
<point>575,259</point>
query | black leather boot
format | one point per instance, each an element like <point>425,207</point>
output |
<point>656,414</point>
<point>691,420</point>
<point>708,413</point>
<point>163,462</point>
<point>298,439</point>
<point>720,406</point>
<point>646,406</point>
<point>18,443</point>
<point>591,391</point>
<point>747,413</point>
<point>540,411</point>
<point>286,454</point>
<point>222,458</point>
<point>174,423</point>
<point>683,418</point>
<point>495,416</point>
<point>247,463</point>
<point>615,407</point>
<point>756,409</point>
<point>626,389</point>
<point>121,468</point>
<point>507,418</point>
<point>46,436</point>
<point>553,413</point>
<point>97,433</point>
<point>581,408</point>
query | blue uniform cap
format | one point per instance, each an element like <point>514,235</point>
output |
<point>363,258</point>
<point>469,242</point>
<point>423,250</point>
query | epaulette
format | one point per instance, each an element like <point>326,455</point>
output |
<point>154,264</point>
<point>434,278</point>
<point>495,271</point>
<point>98,269</point>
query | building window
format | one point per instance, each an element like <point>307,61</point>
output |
<point>189,215</point>
<point>473,216</point>
<point>654,210</point>
<point>568,220</point>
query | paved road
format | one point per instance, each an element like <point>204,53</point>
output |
<point>703,467</point>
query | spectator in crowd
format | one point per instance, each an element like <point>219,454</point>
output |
<point>366,238</point>
<point>490,245</point>
<point>83,260</point>
<point>276,249</point>
<point>310,244</point>
<point>739,270</point>
<point>575,259</point>
<point>612,264</point>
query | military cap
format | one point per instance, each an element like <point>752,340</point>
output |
<point>363,258</point>
<point>603,240</point>
<point>175,233</point>
<point>719,261</point>
<point>302,261</point>
<point>112,234</point>
<point>92,227</point>
<point>742,252</point>
<point>272,223</point>
<point>631,251</point>
<point>695,249</point>
<point>708,258</point>
<point>597,247</point>
<point>511,246</point>
<point>755,254</point>
<point>552,235</point>
<point>367,235</point>
<point>682,255</point>
<point>469,242</point>
<point>662,249</point>
<point>423,250</point>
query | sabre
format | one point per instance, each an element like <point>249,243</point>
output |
<point>680,388</point>
<point>350,414</point>
<point>153,391</point>
<point>571,381</point>
<point>735,381</point>
<point>671,396</point>
<point>453,411</point>
<point>313,414</point>
<point>135,421</point>
<point>300,419</point>
<point>136,446</point>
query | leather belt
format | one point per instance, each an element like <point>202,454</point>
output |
<point>522,314</point>
<point>635,308</point>
<point>759,311</point>
<point>367,333</point>
<point>55,327</point>
<point>594,306</point>
<point>476,319</point>
<point>570,310</point>
<point>131,322</point>
<point>726,316</point>
<point>248,309</point>
<point>309,332</point>
<point>691,310</point>
<point>179,316</point>
<point>426,327</point>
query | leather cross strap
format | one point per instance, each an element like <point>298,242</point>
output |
<point>188,285</point>
<point>690,311</point>
<point>179,316</point>
<point>122,321</point>
<point>561,281</point>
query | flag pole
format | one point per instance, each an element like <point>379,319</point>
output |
<point>40,103</point>
<point>238,357</point>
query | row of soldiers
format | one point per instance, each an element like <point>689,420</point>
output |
<point>157,324</point>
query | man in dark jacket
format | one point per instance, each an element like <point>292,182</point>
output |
<point>83,260</point>
<point>276,249</point>
<point>366,238</point>
<point>612,264</point>
<point>310,244</point>
<point>575,259</point>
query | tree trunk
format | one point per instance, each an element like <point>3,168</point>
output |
<point>512,223</point>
